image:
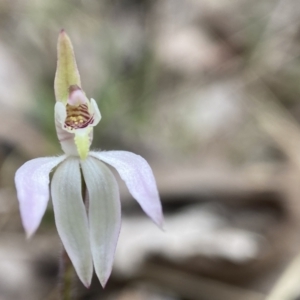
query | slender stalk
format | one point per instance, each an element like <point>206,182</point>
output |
<point>287,286</point>
<point>66,277</point>
<point>67,272</point>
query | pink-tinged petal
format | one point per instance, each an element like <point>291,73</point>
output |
<point>138,176</point>
<point>104,215</point>
<point>71,217</point>
<point>32,184</point>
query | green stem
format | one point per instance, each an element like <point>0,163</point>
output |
<point>67,272</point>
<point>66,277</point>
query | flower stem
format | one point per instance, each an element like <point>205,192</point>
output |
<point>66,269</point>
<point>66,277</point>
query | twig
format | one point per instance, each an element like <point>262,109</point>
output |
<point>288,288</point>
<point>195,287</point>
<point>275,120</point>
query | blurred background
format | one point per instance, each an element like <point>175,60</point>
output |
<point>208,92</point>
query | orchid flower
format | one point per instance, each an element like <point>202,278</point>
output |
<point>83,189</point>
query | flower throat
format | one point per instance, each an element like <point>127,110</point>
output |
<point>78,115</point>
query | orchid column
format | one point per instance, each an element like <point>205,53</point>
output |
<point>89,234</point>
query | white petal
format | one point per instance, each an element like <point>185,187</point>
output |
<point>32,183</point>
<point>104,215</point>
<point>65,138</point>
<point>95,111</point>
<point>71,217</point>
<point>60,112</point>
<point>138,176</point>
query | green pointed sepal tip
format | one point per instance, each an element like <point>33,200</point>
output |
<point>82,142</point>
<point>66,72</point>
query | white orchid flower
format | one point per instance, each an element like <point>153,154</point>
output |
<point>88,219</point>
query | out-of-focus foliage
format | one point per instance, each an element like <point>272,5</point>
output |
<point>208,91</point>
